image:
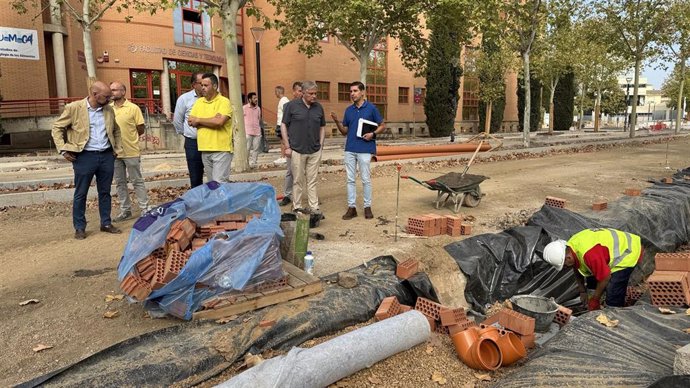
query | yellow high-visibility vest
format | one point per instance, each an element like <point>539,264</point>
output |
<point>624,248</point>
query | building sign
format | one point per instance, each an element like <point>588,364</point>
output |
<point>175,52</point>
<point>18,43</point>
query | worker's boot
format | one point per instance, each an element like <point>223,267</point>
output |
<point>368,214</point>
<point>350,214</point>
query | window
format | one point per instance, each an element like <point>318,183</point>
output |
<point>403,95</point>
<point>145,86</point>
<point>192,26</point>
<point>343,92</point>
<point>323,91</point>
<point>377,76</point>
<point>470,99</point>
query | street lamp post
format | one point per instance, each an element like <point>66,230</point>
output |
<point>627,91</point>
<point>257,33</point>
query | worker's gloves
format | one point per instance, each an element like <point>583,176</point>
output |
<point>594,304</point>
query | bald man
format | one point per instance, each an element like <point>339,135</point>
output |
<point>87,136</point>
<point>128,164</point>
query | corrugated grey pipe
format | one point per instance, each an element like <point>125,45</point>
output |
<point>326,363</point>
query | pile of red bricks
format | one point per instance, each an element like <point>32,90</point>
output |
<point>518,323</point>
<point>669,285</point>
<point>442,319</point>
<point>166,262</point>
<point>430,225</point>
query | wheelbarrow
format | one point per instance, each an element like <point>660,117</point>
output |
<point>461,188</point>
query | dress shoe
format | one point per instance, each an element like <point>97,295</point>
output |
<point>350,214</point>
<point>368,214</point>
<point>285,201</point>
<point>110,229</point>
<point>79,234</point>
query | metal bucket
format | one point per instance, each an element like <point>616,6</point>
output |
<point>542,309</point>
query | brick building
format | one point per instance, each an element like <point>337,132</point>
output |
<point>154,55</point>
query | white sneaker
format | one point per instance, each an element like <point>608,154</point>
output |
<point>280,161</point>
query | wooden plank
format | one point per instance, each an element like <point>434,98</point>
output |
<point>294,282</point>
<point>242,307</point>
<point>299,274</point>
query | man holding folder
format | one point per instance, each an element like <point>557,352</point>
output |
<point>361,123</point>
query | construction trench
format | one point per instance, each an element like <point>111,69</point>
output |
<point>638,350</point>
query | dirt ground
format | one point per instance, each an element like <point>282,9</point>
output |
<point>71,279</point>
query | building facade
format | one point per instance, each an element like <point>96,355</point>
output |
<point>154,56</point>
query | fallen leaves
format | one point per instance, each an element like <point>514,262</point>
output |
<point>687,331</point>
<point>111,314</point>
<point>482,377</point>
<point>664,310</point>
<point>41,347</point>
<point>226,319</point>
<point>429,349</point>
<point>438,378</point>
<point>109,298</point>
<point>687,312</point>
<point>606,321</point>
<point>374,379</point>
<point>28,301</point>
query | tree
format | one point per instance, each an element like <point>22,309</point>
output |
<point>635,28</point>
<point>492,64</point>
<point>359,25</point>
<point>678,50</point>
<point>521,20</point>
<point>595,65</point>
<point>535,109</point>
<point>674,88</point>
<point>90,13</point>
<point>563,103</point>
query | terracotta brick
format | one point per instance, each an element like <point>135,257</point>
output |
<point>461,326</point>
<point>669,288</point>
<point>667,180</point>
<point>429,308</point>
<point>405,308</point>
<point>515,321</point>
<point>267,323</point>
<point>465,229</point>
<point>632,295</point>
<point>421,226</point>
<point>555,202</point>
<point>389,307</point>
<point>633,192</point>
<point>198,243</point>
<point>490,320</point>
<point>455,232</point>
<point>528,340</point>
<point>672,261</point>
<point>407,268</point>
<point>602,205</point>
<point>432,324</point>
<point>453,221</point>
<point>562,316</point>
<point>452,316</point>
<point>438,222</point>
<point>188,227</point>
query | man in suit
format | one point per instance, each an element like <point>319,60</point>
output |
<point>87,135</point>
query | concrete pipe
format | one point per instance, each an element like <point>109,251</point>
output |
<point>340,357</point>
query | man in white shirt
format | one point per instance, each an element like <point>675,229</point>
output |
<point>183,106</point>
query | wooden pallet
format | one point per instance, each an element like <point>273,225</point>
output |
<point>300,284</point>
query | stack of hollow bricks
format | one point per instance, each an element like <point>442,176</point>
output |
<point>441,319</point>
<point>430,225</point>
<point>165,263</point>
<point>669,285</point>
<point>518,323</point>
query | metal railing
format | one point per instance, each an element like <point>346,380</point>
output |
<point>152,105</point>
<point>34,108</point>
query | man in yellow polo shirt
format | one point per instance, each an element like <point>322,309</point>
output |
<point>212,117</point>
<point>131,122</point>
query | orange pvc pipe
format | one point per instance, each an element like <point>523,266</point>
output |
<point>426,149</point>
<point>476,352</point>
<point>511,347</point>
<point>410,156</point>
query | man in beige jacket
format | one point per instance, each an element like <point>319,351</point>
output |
<point>87,135</point>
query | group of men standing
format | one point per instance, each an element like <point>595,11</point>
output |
<point>99,135</point>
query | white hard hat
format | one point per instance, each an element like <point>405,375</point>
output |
<point>554,254</point>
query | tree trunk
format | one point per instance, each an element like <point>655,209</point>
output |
<point>679,113</point>
<point>363,64</point>
<point>229,17</point>
<point>552,92</point>
<point>597,111</point>
<point>633,114</point>
<point>581,124</point>
<point>528,98</point>
<point>487,121</point>
<point>88,49</point>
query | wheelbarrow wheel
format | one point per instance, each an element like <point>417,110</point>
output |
<point>472,198</point>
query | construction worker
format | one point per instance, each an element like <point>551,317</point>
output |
<point>605,257</point>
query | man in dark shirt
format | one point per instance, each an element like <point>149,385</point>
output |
<point>303,133</point>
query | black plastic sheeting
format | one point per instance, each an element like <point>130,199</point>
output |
<point>196,351</point>
<point>585,353</point>
<point>508,263</point>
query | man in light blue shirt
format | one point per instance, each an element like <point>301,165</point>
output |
<point>182,108</point>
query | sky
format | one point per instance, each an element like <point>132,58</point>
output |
<point>655,77</point>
